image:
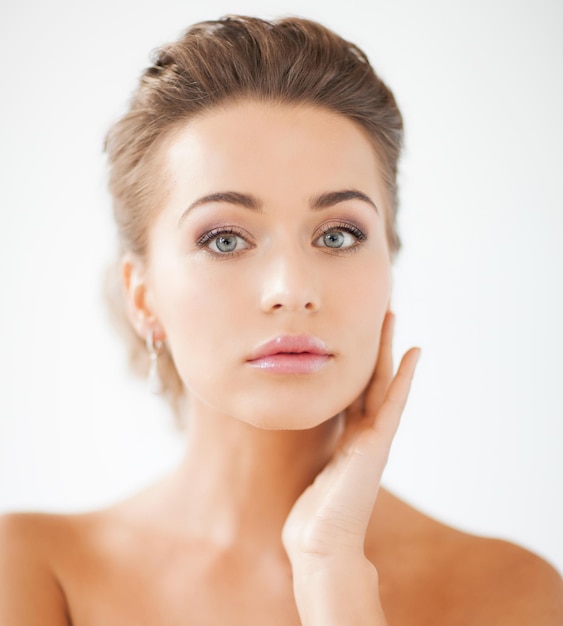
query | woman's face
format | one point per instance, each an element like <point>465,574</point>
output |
<point>268,267</point>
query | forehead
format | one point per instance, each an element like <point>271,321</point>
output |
<point>270,149</point>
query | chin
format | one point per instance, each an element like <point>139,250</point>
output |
<point>275,403</point>
<point>286,422</point>
<point>292,413</point>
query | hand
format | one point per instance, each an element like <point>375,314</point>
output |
<point>324,533</point>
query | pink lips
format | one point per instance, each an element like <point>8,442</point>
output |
<point>291,354</point>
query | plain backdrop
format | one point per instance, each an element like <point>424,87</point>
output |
<point>478,285</point>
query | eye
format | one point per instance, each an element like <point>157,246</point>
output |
<point>226,243</point>
<point>223,242</point>
<point>338,237</point>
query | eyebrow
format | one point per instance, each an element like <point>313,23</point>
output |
<point>247,201</point>
<point>230,197</point>
<point>331,198</point>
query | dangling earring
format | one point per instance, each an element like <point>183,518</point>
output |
<point>154,348</point>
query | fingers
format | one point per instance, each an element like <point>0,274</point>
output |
<point>375,438</point>
<point>367,452</point>
<point>381,376</point>
<point>383,372</point>
<point>378,432</point>
<point>389,414</point>
<point>332,515</point>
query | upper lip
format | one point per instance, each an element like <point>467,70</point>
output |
<point>290,344</point>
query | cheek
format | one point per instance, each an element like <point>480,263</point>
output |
<point>370,292</point>
<point>363,298</point>
<point>200,312</point>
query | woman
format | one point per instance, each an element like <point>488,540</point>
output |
<point>254,185</point>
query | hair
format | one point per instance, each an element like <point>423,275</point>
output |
<point>290,60</point>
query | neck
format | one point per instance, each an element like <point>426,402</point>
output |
<point>241,481</point>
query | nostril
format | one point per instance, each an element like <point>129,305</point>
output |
<point>289,299</point>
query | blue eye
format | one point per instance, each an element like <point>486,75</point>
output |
<point>340,237</point>
<point>223,242</point>
<point>337,239</point>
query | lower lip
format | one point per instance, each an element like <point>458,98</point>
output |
<point>302,363</point>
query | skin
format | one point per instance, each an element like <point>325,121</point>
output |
<point>275,514</point>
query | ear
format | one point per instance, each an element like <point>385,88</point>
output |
<point>138,298</point>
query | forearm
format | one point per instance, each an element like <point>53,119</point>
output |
<point>337,592</point>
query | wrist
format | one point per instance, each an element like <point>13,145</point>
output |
<point>337,590</point>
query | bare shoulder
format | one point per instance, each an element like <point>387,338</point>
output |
<point>51,565</point>
<point>506,584</point>
<point>38,536</point>
<point>30,592</point>
<point>452,577</point>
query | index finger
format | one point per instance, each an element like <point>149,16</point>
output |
<point>389,414</point>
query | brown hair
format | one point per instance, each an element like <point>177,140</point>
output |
<point>290,60</point>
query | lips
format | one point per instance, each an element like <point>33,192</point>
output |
<point>291,354</point>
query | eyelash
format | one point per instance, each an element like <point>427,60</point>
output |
<point>343,227</point>
<point>205,239</point>
<point>211,235</point>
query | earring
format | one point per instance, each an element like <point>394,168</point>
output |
<point>154,348</point>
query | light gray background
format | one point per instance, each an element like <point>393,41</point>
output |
<point>478,285</point>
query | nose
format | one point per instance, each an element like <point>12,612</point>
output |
<point>289,285</point>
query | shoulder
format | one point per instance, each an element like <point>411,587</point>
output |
<point>501,583</point>
<point>27,538</point>
<point>454,577</point>
<point>60,545</point>
<point>30,592</point>
<point>37,536</point>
